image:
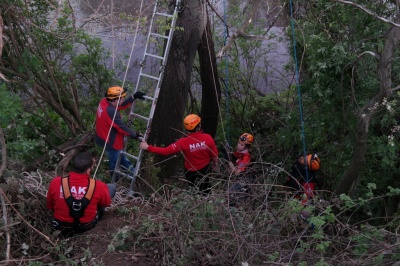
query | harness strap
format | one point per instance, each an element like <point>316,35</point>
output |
<point>77,207</point>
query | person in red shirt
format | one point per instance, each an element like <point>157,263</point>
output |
<point>198,149</point>
<point>111,129</point>
<point>241,158</point>
<point>303,176</point>
<point>78,181</point>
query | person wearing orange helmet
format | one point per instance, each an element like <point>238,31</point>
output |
<point>242,154</point>
<point>198,149</point>
<point>239,191</point>
<point>110,127</point>
<point>303,177</point>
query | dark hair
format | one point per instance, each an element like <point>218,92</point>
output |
<point>82,162</point>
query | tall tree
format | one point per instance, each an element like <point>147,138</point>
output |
<point>173,98</point>
<point>347,79</point>
<point>373,106</point>
<point>54,66</point>
<point>211,93</point>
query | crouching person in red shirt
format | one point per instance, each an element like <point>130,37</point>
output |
<point>77,200</point>
<point>198,149</point>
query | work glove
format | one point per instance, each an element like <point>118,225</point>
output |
<point>138,136</point>
<point>139,95</point>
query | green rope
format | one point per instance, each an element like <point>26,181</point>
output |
<point>298,87</point>
<point>226,77</point>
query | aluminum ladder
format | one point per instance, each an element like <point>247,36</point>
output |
<point>151,73</point>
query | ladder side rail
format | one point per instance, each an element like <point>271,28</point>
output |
<point>117,168</point>
<point>161,74</point>
<point>145,136</point>
<point>171,32</point>
<point>168,45</point>
<point>157,90</point>
<point>136,171</point>
<point>145,51</point>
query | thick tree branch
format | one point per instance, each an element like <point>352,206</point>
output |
<point>1,44</point>
<point>371,108</point>
<point>369,12</point>
<point>3,153</point>
<point>6,226</point>
<point>396,88</point>
<point>242,29</point>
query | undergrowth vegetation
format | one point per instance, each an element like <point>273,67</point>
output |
<point>172,226</point>
<point>49,103</point>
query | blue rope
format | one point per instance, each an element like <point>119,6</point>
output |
<point>226,76</point>
<point>298,89</point>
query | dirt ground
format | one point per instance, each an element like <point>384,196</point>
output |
<point>94,247</point>
<point>106,233</point>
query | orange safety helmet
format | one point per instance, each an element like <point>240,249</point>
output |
<point>191,121</point>
<point>247,138</point>
<point>115,92</point>
<point>313,162</point>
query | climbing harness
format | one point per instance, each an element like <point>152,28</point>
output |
<point>77,206</point>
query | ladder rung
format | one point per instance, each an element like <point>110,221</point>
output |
<point>123,174</point>
<point>164,14</point>
<point>148,98</point>
<point>155,56</point>
<point>159,35</point>
<point>129,155</point>
<point>150,76</point>
<point>140,116</point>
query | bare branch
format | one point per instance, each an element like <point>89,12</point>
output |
<point>3,152</point>
<point>1,44</point>
<point>6,229</point>
<point>396,88</point>
<point>369,12</point>
<point>241,30</point>
<point>4,197</point>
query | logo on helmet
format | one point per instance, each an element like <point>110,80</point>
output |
<point>313,162</point>
<point>191,121</point>
<point>115,92</point>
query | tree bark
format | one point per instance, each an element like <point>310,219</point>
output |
<point>370,109</point>
<point>167,124</point>
<point>211,88</point>
<point>3,153</point>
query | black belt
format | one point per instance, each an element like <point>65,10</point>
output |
<point>59,225</point>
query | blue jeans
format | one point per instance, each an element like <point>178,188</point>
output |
<point>126,165</point>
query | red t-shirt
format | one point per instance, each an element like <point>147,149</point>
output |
<point>78,184</point>
<point>198,148</point>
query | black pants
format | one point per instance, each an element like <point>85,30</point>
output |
<point>69,229</point>
<point>199,179</point>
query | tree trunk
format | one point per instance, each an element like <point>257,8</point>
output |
<point>211,92</point>
<point>369,110</point>
<point>167,124</point>
<point>3,153</point>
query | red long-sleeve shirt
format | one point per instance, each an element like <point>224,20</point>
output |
<point>78,184</point>
<point>242,159</point>
<point>104,121</point>
<point>198,148</point>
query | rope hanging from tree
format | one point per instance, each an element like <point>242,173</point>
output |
<point>226,76</point>
<point>298,86</point>
<point>123,83</point>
